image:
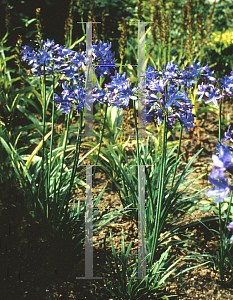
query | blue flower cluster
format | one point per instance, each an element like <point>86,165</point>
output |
<point>222,163</point>
<point>55,59</point>
<point>117,93</point>
<point>103,57</point>
<point>166,93</point>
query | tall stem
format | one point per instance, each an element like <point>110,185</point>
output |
<point>64,149</point>
<point>43,145</point>
<point>76,156</point>
<point>178,153</point>
<point>101,138</point>
<point>221,263</point>
<point>220,119</point>
<point>51,148</point>
<point>160,195</point>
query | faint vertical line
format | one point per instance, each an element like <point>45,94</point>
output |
<point>89,73</point>
<point>88,228</point>
<point>88,225</point>
<point>141,71</point>
<point>141,223</point>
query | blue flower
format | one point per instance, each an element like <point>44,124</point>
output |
<point>119,91</point>
<point>171,72</point>
<point>187,119</point>
<point>230,226</point>
<point>213,95</point>
<point>227,84</point>
<point>202,90</point>
<point>187,78</point>
<point>103,56</point>
<point>73,94</point>
<point>228,135</point>
<point>172,96</point>
<point>219,168</point>
<point>195,69</point>
<point>222,191</point>
<point>208,73</point>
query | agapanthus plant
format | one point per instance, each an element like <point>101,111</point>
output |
<point>168,92</point>
<point>68,67</point>
<point>222,164</point>
<point>55,59</point>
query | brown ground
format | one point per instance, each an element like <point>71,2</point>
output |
<point>34,268</point>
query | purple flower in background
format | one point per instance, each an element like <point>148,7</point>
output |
<point>213,95</point>
<point>228,135</point>
<point>227,84</point>
<point>195,69</point>
<point>208,73</point>
<point>230,226</point>
<point>222,191</point>
<point>202,90</point>
<point>219,168</point>
<point>221,163</point>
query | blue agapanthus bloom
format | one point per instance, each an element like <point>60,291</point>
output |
<point>118,92</point>
<point>213,94</point>
<point>222,162</point>
<point>222,191</point>
<point>166,96</point>
<point>227,84</point>
<point>53,59</point>
<point>103,58</point>
<point>208,74</point>
<point>49,55</point>
<point>73,94</point>
<point>228,135</point>
<point>210,92</point>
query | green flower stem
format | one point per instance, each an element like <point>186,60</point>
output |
<point>178,153</point>
<point>137,144</point>
<point>69,116</point>
<point>101,138</point>
<point>44,116</point>
<point>220,119</point>
<point>51,146</point>
<point>136,131</point>
<point>228,211</point>
<point>160,190</point>
<point>221,258</point>
<point>76,156</point>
